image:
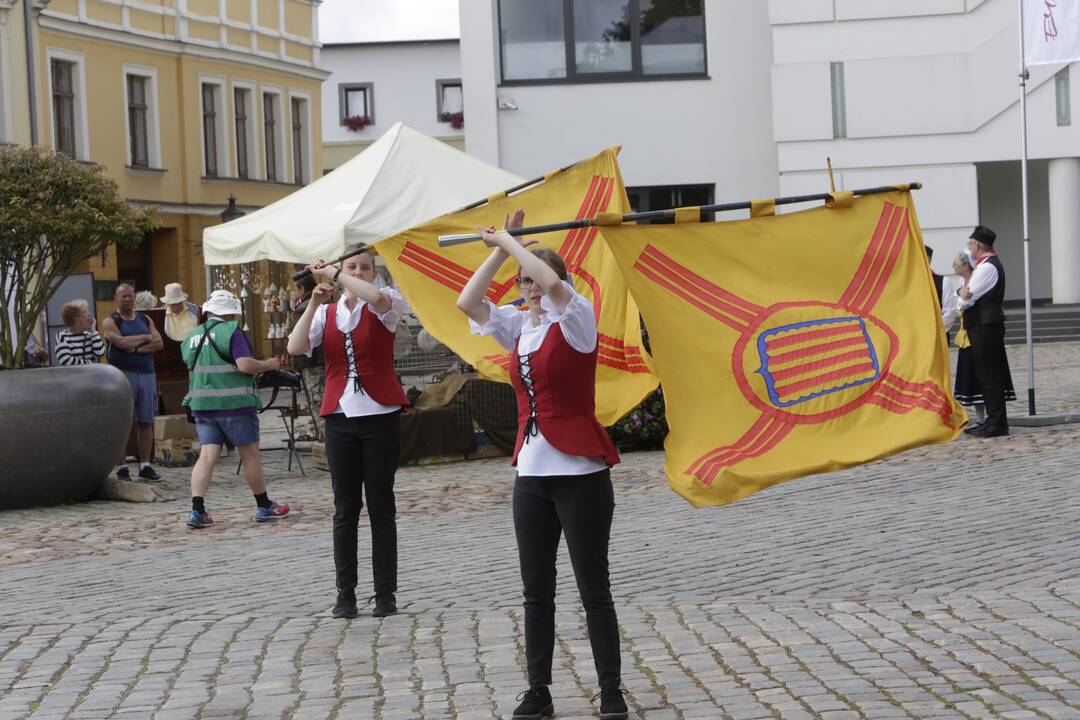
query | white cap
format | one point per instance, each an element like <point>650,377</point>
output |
<point>222,302</point>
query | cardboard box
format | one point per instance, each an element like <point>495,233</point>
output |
<point>175,452</point>
<point>318,456</point>
<point>173,427</point>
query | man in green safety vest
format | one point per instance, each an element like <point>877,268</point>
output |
<point>223,401</point>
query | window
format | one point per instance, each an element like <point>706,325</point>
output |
<point>143,148</point>
<point>299,138</point>
<point>664,197</point>
<point>63,98</point>
<point>449,102</point>
<point>1062,97</point>
<point>356,100</point>
<point>272,136</point>
<point>241,108</point>
<point>598,40</point>
<point>211,135</point>
<point>138,132</point>
<point>839,104</point>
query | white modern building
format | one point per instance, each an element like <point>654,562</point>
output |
<point>929,90</point>
<point>728,100</point>
<point>373,85</point>
<point>683,87</point>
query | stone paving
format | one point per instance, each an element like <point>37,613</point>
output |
<point>941,583</point>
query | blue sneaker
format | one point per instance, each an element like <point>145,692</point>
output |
<point>273,512</point>
<point>199,519</point>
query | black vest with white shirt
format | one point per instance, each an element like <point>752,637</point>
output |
<point>987,310</point>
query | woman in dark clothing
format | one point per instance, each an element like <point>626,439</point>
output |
<point>563,456</point>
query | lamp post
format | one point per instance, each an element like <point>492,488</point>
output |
<point>231,212</point>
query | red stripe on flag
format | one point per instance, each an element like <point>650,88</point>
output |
<point>781,358</point>
<point>590,235</point>
<point>433,273</point>
<point>692,299</point>
<point>451,268</point>
<point>695,281</point>
<point>859,278</point>
<point>818,364</point>
<point>848,372</point>
<point>761,438</point>
<point>878,276</point>
<point>775,342</point>
<point>928,388</point>
<point>575,254</point>
<point>581,215</point>
<point>502,361</point>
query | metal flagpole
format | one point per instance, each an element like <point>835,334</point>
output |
<point>1027,235</point>
<point>451,240</point>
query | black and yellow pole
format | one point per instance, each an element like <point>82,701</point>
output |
<point>450,240</point>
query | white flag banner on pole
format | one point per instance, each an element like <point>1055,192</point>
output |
<point>1052,31</point>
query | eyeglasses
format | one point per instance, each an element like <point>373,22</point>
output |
<point>524,281</point>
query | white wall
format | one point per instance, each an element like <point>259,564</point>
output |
<point>714,130</point>
<point>932,95</point>
<point>999,204</point>
<point>403,74</point>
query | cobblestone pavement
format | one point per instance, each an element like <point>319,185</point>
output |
<point>941,583</point>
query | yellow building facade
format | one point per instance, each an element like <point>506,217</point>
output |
<point>185,103</point>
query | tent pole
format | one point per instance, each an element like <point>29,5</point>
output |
<point>450,240</point>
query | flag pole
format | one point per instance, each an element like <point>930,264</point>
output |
<point>1027,235</point>
<point>450,240</point>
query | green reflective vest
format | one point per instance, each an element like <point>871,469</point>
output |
<point>215,383</point>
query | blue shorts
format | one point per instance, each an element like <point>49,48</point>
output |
<point>240,430</point>
<point>144,388</point>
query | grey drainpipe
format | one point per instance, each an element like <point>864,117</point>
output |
<point>30,65</point>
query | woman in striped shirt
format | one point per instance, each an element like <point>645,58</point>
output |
<point>79,342</point>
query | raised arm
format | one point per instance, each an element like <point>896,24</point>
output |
<point>298,338</point>
<point>471,300</point>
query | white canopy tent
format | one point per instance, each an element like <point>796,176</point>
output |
<point>403,179</point>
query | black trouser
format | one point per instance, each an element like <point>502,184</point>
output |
<point>580,506</point>
<point>992,369</point>
<point>363,456</point>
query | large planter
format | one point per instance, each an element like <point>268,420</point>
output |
<point>62,431</point>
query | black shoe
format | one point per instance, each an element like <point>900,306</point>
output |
<point>384,605</point>
<point>986,431</point>
<point>149,473</point>
<point>345,607</point>
<point>535,704</point>
<point>612,704</point>
<point>123,473</point>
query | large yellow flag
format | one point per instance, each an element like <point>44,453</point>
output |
<point>790,344</point>
<point>431,277</point>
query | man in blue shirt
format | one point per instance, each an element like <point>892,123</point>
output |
<point>133,340</point>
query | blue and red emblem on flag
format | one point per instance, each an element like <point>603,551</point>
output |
<point>805,360</point>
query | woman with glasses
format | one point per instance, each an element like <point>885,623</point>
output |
<point>361,405</point>
<point>562,454</point>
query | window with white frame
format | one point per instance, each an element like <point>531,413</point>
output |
<point>66,98</point>
<point>449,102</point>
<point>300,133</point>
<point>244,122</point>
<point>141,117</point>
<point>215,160</point>
<point>356,100</point>
<point>272,137</point>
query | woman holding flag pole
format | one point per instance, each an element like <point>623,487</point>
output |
<point>362,407</point>
<point>562,454</point>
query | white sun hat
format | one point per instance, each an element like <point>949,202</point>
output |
<point>174,293</point>
<point>222,302</point>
